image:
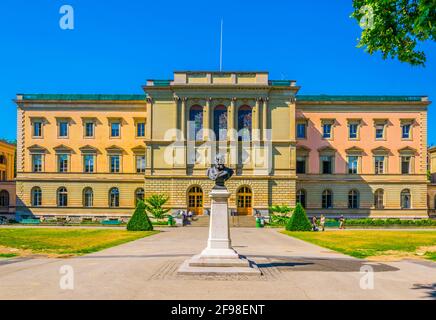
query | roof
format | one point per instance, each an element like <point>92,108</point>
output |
<point>322,97</point>
<point>83,97</point>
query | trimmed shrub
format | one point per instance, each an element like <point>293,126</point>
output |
<point>139,221</point>
<point>299,220</point>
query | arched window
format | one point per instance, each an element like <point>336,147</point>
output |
<point>244,123</point>
<point>88,197</point>
<point>327,199</point>
<point>114,198</point>
<point>139,195</point>
<point>62,197</point>
<point>244,201</point>
<point>406,199</point>
<point>195,123</point>
<point>379,199</point>
<point>353,199</point>
<point>301,197</point>
<point>2,159</point>
<point>36,194</point>
<point>220,123</point>
<point>4,198</point>
<point>195,200</point>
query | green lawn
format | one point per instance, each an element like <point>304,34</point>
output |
<point>62,242</point>
<point>375,243</point>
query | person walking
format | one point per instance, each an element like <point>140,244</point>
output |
<point>314,224</point>
<point>322,222</point>
<point>342,222</point>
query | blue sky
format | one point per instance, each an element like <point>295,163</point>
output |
<point>117,45</point>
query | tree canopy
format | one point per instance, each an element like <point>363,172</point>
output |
<point>395,28</point>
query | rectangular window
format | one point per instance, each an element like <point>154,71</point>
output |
<point>63,163</point>
<point>37,162</point>
<point>115,129</point>
<point>140,164</point>
<point>380,131</point>
<point>405,164</point>
<point>379,164</point>
<point>89,129</point>
<point>88,163</point>
<point>405,129</point>
<point>352,130</point>
<point>301,165</point>
<point>327,130</point>
<point>115,164</point>
<point>140,129</point>
<point>326,164</point>
<point>301,130</point>
<point>63,129</point>
<point>37,129</point>
<point>353,164</point>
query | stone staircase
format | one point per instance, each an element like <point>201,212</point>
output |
<point>235,222</point>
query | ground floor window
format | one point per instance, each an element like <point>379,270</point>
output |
<point>88,197</point>
<point>244,198</point>
<point>62,197</point>
<point>301,197</point>
<point>405,199</point>
<point>379,199</point>
<point>139,195</point>
<point>327,199</point>
<point>4,198</point>
<point>195,200</point>
<point>36,195</point>
<point>353,199</point>
<point>114,198</point>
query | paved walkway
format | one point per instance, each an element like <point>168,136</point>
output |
<point>146,269</point>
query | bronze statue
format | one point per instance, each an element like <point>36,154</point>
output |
<point>219,172</point>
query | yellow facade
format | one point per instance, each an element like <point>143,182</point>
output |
<point>7,183</point>
<point>258,117</point>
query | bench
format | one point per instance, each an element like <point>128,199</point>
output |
<point>111,222</point>
<point>30,221</point>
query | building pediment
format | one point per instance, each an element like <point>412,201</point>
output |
<point>354,149</point>
<point>115,149</point>
<point>381,150</point>
<point>63,149</point>
<point>37,149</point>
<point>408,150</point>
<point>326,149</point>
<point>89,149</point>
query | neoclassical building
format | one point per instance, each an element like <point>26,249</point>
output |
<point>95,155</point>
<point>7,183</point>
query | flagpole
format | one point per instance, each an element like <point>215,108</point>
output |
<point>221,47</point>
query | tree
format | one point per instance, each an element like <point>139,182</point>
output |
<point>280,214</point>
<point>154,205</point>
<point>299,220</point>
<point>396,27</point>
<point>139,220</point>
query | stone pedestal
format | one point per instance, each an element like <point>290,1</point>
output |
<point>219,257</point>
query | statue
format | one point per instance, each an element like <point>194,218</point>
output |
<point>219,172</point>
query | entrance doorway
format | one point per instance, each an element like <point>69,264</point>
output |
<point>195,200</point>
<point>244,198</point>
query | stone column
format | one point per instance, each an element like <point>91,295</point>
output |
<point>149,120</point>
<point>231,116</point>
<point>264,118</point>
<point>256,121</point>
<point>206,120</point>
<point>176,118</point>
<point>183,117</point>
